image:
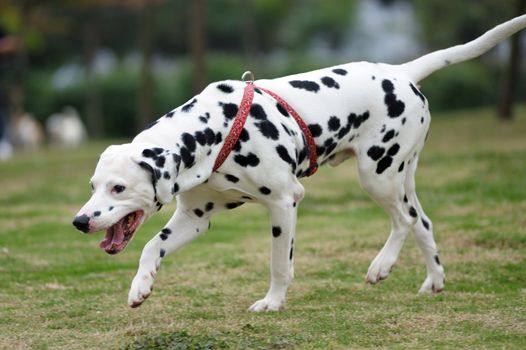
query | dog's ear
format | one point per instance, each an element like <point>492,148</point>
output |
<point>163,167</point>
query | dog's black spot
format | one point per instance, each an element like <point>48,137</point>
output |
<point>165,232</point>
<point>209,206</point>
<point>320,150</point>
<point>302,155</point>
<point>229,110</point>
<point>395,107</point>
<point>401,167</point>
<point>203,119</point>
<point>291,253</point>
<point>257,112</point>
<point>412,212</point>
<point>218,138</point>
<point>373,77</point>
<point>166,175</point>
<point>388,135</point>
<point>188,107</point>
<point>287,131</point>
<point>170,114</point>
<point>233,205</point>
<point>393,150</point>
<point>276,231</point>
<point>210,136</point>
<point>158,150</point>
<point>403,121</point>
<point>330,145</point>
<point>282,110</point>
<point>244,135</point>
<point>426,225</point>
<point>162,252</point>
<point>422,120</point>
<point>305,84</point>
<point>405,198</point>
<point>249,160</point>
<point>285,156</point>
<point>189,141</point>
<point>334,123</point>
<point>417,92</point>
<point>187,157</point>
<point>357,120</point>
<point>265,190</point>
<point>96,213</point>
<point>329,82</point>
<point>110,208</point>
<point>200,137</point>
<point>175,189</point>
<point>437,260</point>
<point>268,129</point>
<point>376,152</point>
<point>198,212</point>
<point>344,131</point>
<point>383,164</point>
<point>227,89</point>
<point>160,161</point>
<point>148,153</point>
<point>157,173</point>
<point>231,178</point>
<point>340,71</point>
<point>315,130</point>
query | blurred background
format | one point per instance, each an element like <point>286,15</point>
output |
<point>73,69</point>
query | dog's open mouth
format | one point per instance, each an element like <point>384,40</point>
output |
<point>119,234</point>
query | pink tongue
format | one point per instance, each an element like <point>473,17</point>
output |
<point>114,236</point>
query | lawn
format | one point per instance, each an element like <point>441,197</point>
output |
<point>59,290</point>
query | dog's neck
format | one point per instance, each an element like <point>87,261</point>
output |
<point>196,144</point>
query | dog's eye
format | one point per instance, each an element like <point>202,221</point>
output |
<point>118,188</point>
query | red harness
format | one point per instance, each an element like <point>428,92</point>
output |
<point>241,117</point>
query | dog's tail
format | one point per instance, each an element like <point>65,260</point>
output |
<point>426,65</point>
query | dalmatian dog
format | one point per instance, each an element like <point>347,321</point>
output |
<point>374,112</point>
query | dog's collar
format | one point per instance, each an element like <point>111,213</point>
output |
<point>241,117</point>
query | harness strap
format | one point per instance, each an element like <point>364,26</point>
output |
<point>237,127</point>
<point>241,117</point>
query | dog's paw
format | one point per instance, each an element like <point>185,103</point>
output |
<point>379,270</point>
<point>267,304</point>
<point>141,289</point>
<point>433,284</point>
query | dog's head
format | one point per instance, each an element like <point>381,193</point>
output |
<point>131,182</point>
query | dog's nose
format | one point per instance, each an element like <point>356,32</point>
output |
<point>82,223</point>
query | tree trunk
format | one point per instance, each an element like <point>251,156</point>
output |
<point>146,85</point>
<point>198,44</point>
<point>93,103</point>
<point>17,93</point>
<point>505,107</point>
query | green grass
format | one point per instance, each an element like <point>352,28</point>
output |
<point>59,290</point>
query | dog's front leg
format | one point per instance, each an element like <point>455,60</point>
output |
<point>182,228</point>
<point>283,219</point>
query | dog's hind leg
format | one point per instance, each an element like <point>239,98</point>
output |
<point>190,220</point>
<point>423,233</point>
<point>283,214</point>
<point>387,189</point>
